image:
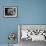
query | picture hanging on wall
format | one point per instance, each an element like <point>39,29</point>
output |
<point>10,11</point>
<point>32,32</point>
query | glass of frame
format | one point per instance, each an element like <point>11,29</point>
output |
<point>10,11</point>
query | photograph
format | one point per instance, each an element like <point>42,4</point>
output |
<point>32,32</point>
<point>10,11</point>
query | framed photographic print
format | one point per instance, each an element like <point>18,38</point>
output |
<point>33,32</point>
<point>10,11</point>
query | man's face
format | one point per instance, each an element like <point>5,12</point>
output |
<point>11,11</point>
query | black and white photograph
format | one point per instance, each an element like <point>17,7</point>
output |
<point>29,34</point>
<point>10,11</point>
<point>33,32</point>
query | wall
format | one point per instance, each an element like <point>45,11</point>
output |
<point>7,25</point>
<point>29,12</point>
